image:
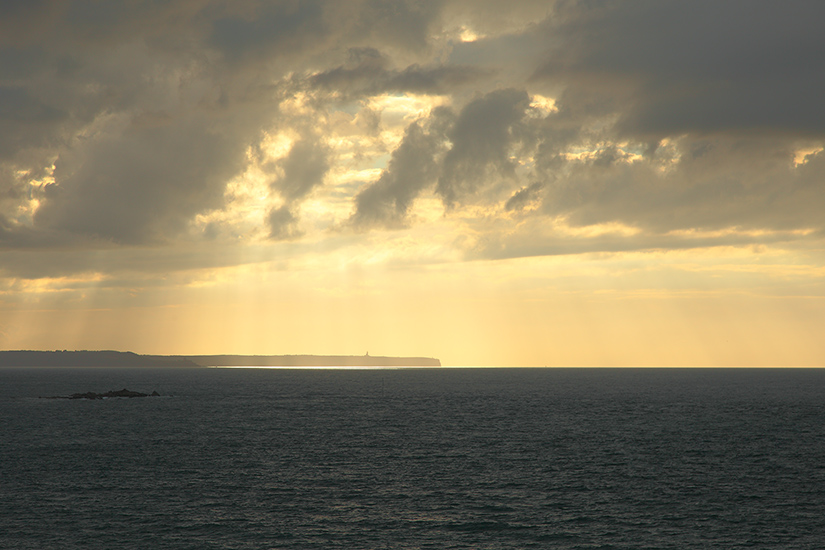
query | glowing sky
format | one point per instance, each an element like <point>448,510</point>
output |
<point>490,183</point>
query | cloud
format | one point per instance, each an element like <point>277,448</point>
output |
<point>146,110</point>
<point>303,169</point>
<point>459,153</point>
<point>370,74</point>
<point>267,28</point>
<point>481,139</point>
<point>142,185</point>
<point>26,121</point>
<point>742,183</point>
<point>144,129</point>
<point>412,167</point>
<point>283,225</point>
<point>718,192</point>
<point>530,242</point>
<point>163,124</point>
<point>673,68</point>
<point>401,24</point>
<point>524,196</point>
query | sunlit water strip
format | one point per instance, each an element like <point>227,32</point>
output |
<point>449,367</point>
<point>378,367</point>
<point>314,367</point>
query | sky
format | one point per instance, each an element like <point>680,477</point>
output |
<point>518,183</point>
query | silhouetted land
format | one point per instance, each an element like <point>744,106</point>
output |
<point>311,361</point>
<point>89,359</point>
<point>25,358</point>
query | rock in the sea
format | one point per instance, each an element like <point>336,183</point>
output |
<point>124,393</point>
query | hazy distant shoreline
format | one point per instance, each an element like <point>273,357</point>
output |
<point>109,358</point>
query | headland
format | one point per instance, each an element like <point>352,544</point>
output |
<point>110,358</point>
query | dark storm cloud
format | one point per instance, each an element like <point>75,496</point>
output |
<point>481,139</point>
<point>303,169</point>
<point>123,98</point>
<point>267,28</point>
<point>25,120</point>
<point>271,30</point>
<point>719,193</point>
<point>711,103</point>
<point>672,67</point>
<point>370,73</point>
<point>668,115</point>
<point>748,184</point>
<point>21,21</point>
<point>23,236</point>
<point>64,73</point>
<point>404,24</point>
<point>712,184</point>
<point>17,63</point>
<point>142,186</point>
<point>147,108</point>
<point>411,169</point>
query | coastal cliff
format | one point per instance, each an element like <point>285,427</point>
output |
<point>311,361</point>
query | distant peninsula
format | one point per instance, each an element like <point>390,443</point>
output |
<point>109,358</point>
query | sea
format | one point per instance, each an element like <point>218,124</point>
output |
<point>435,458</point>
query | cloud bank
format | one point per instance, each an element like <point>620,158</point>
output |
<point>538,128</point>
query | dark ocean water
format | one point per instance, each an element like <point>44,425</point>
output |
<point>418,458</point>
